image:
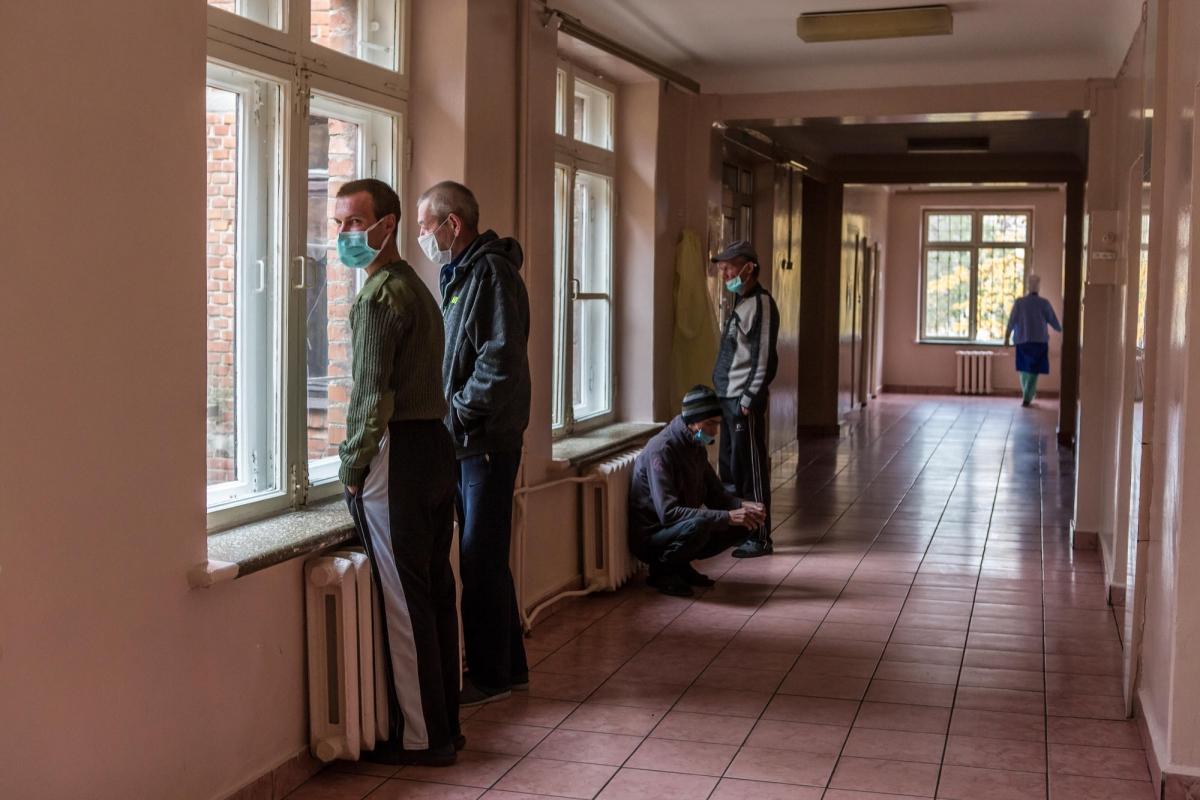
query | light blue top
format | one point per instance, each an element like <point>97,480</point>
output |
<point>1028,320</point>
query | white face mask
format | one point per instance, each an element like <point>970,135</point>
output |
<point>429,246</point>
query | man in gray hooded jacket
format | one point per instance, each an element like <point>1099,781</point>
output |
<point>485,374</point>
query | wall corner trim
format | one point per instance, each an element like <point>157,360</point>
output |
<point>207,573</point>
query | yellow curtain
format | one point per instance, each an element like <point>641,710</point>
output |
<point>694,345</point>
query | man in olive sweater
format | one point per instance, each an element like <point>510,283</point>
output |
<point>398,470</point>
<point>485,373</point>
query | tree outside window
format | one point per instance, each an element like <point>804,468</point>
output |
<point>974,264</point>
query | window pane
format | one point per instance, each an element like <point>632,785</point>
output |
<point>745,181</point>
<point>342,146</point>
<point>242,149</point>
<point>562,204</point>
<point>593,115</point>
<point>365,29</point>
<point>560,102</point>
<point>1005,228</point>
<point>948,294</point>
<point>264,12</point>
<point>949,228</point>
<point>592,265</point>
<point>592,372</point>
<point>729,177</point>
<point>1001,281</point>
<point>593,232</point>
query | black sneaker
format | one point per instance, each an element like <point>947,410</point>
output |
<point>753,548</point>
<point>670,583</point>
<point>473,694</point>
<point>694,578</point>
<point>393,755</point>
<point>520,683</point>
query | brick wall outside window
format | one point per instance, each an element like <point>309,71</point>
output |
<point>221,266</point>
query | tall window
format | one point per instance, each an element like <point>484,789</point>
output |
<point>583,234</point>
<point>974,267</point>
<point>281,139</point>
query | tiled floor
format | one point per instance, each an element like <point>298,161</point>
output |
<point>923,630</point>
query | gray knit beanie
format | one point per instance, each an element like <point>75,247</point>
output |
<point>699,404</point>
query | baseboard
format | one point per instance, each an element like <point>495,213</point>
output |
<point>278,783</point>
<point>1084,540</point>
<point>1171,781</point>
<point>1115,591</point>
<point>1149,745</point>
<point>1179,786</point>
<point>899,388</point>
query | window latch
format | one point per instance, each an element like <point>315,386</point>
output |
<point>575,288</point>
<point>299,487</point>
<point>300,281</point>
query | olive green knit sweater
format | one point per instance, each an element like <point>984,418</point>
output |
<point>398,337</point>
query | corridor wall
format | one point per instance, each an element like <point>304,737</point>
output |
<point>909,364</point>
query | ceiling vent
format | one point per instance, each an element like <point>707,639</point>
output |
<point>883,23</point>
<point>948,144</point>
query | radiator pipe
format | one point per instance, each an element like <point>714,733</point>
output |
<point>527,618</point>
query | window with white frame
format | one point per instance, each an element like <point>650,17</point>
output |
<point>974,264</point>
<point>584,206</point>
<point>293,112</point>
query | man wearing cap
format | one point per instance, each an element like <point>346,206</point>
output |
<point>746,365</point>
<point>679,510</point>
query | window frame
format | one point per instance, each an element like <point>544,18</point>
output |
<point>576,156</point>
<point>972,246</point>
<point>266,227</point>
<point>301,68</point>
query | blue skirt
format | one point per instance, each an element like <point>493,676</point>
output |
<point>1034,357</point>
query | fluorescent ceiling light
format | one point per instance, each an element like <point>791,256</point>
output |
<point>884,23</point>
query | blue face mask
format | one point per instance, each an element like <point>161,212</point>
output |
<point>703,438</point>
<point>735,284</point>
<point>355,251</point>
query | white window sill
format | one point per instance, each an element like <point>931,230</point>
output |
<point>246,549</point>
<point>585,448</point>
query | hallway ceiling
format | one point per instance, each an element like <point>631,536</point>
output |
<point>751,46</point>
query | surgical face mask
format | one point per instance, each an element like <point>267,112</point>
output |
<point>355,251</point>
<point>735,284</point>
<point>703,438</point>
<point>429,246</point>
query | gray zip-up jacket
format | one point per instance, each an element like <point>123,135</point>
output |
<point>673,482</point>
<point>747,361</point>
<point>485,366</point>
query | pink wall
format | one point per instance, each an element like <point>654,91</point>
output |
<point>906,363</point>
<point>636,315</point>
<point>191,693</point>
<point>117,679</point>
<point>1171,477</point>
